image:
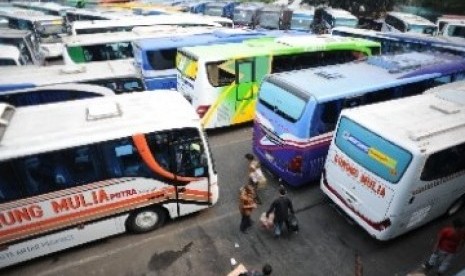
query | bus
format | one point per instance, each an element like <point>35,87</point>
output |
<point>396,165</point>
<point>445,19</point>
<point>220,8</point>
<point>406,42</point>
<point>25,42</point>
<point>100,167</point>
<point>127,24</point>
<point>246,14</point>
<point>47,29</point>
<point>274,17</point>
<point>53,93</point>
<point>221,81</point>
<point>326,18</point>
<point>156,57</point>
<point>120,76</point>
<point>115,46</point>
<point>406,22</point>
<point>296,112</point>
<point>75,14</point>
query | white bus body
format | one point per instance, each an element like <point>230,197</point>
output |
<point>395,165</point>
<point>95,170</point>
<point>400,22</point>
<point>443,20</point>
<point>10,56</point>
<point>127,24</point>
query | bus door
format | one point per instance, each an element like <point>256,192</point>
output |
<point>246,88</point>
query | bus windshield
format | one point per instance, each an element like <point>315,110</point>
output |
<point>283,102</point>
<point>162,59</point>
<point>422,29</point>
<point>214,11</point>
<point>301,22</point>
<point>269,19</point>
<point>101,52</point>
<point>187,66</point>
<point>346,22</point>
<point>242,16</point>
<point>374,153</point>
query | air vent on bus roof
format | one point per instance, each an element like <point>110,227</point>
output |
<point>6,113</point>
<point>103,111</point>
<point>73,69</point>
<point>329,75</point>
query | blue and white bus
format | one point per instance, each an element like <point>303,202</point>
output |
<point>405,42</point>
<point>297,111</point>
<point>156,57</point>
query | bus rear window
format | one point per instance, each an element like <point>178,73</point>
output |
<point>162,59</point>
<point>186,65</point>
<point>371,151</point>
<point>286,104</point>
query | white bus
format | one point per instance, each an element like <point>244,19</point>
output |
<point>127,24</point>
<point>114,46</point>
<point>121,76</point>
<point>406,22</point>
<point>99,167</point>
<point>397,165</point>
<point>47,29</point>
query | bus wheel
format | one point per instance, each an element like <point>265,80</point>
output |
<point>455,207</point>
<point>144,220</point>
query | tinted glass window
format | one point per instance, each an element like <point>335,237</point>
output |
<point>444,163</point>
<point>9,186</point>
<point>162,59</point>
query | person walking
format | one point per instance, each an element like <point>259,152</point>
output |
<point>281,207</point>
<point>450,240</point>
<point>246,206</point>
<point>256,177</point>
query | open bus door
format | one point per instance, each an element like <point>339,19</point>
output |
<point>246,88</point>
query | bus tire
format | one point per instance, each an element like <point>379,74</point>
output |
<point>456,206</point>
<point>145,220</point>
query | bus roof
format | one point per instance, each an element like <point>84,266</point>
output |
<point>159,31</point>
<point>42,5</point>
<point>412,18</point>
<point>139,20</point>
<point>340,13</point>
<point>13,33</point>
<point>30,15</point>
<point>377,72</point>
<point>279,45</point>
<point>198,39</point>
<point>67,73</point>
<point>424,123</point>
<point>73,123</point>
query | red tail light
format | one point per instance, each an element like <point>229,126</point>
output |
<point>202,109</point>
<point>296,164</point>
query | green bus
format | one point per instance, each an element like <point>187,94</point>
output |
<point>221,81</point>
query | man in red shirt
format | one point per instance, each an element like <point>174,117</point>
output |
<point>450,241</point>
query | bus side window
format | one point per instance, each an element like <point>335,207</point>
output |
<point>325,119</point>
<point>9,189</point>
<point>219,76</point>
<point>444,163</point>
<point>459,76</point>
<point>442,80</point>
<point>379,96</point>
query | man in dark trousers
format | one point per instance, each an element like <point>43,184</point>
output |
<point>281,208</point>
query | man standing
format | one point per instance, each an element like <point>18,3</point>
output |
<point>246,206</point>
<point>450,241</point>
<point>281,208</point>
